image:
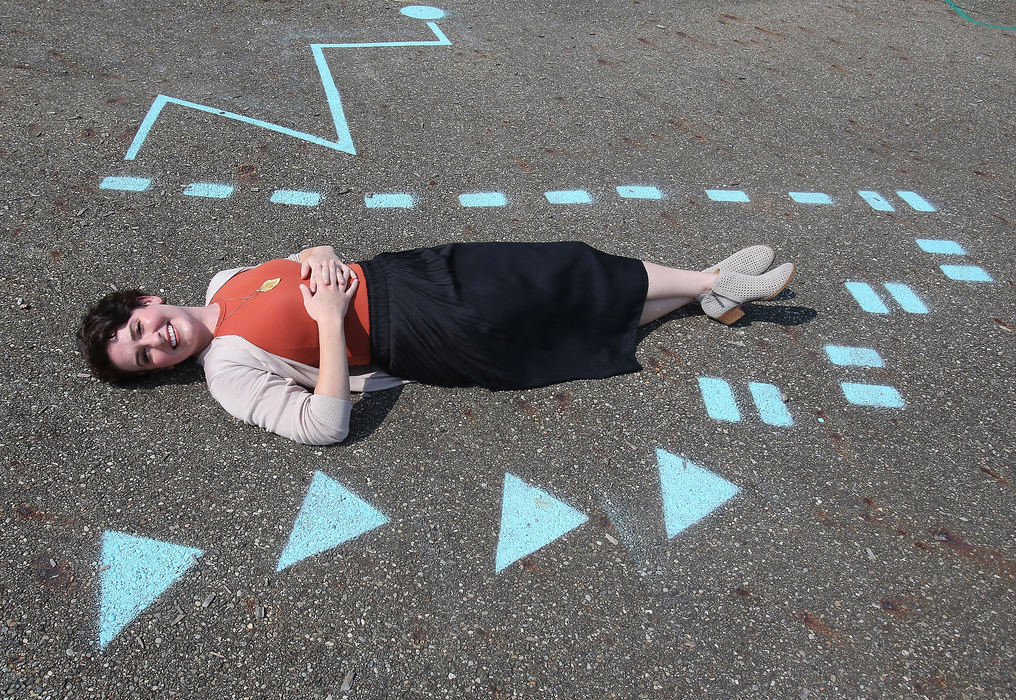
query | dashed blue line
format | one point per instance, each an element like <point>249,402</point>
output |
<point>126,184</point>
<point>875,200</point>
<point>394,200</point>
<point>568,197</point>
<point>639,192</point>
<point>966,273</point>
<point>906,298</point>
<point>298,197</point>
<point>208,189</point>
<point>860,357</point>
<point>811,197</point>
<point>769,401</point>
<point>940,245</point>
<point>719,399</point>
<point>872,395</point>
<point>727,195</point>
<point>483,199</point>
<point>867,298</point>
<point>916,201</point>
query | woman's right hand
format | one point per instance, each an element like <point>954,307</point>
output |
<point>329,292</point>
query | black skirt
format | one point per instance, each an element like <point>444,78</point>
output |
<point>504,315</point>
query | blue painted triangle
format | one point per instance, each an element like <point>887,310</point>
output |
<point>689,491</point>
<point>530,518</point>
<point>330,515</point>
<point>133,573</point>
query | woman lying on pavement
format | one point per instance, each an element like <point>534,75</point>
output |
<point>283,343</point>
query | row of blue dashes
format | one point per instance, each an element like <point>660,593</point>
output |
<point>963,273</point>
<point>405,200</point>
<point>721,405</point>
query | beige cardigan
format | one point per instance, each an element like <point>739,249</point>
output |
<point>276,393</point>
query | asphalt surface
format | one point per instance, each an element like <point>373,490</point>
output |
<point>869,551</point>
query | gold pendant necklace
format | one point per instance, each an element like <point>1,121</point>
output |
<point>266,286</point>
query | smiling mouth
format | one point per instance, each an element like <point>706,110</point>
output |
<point>173,341</point>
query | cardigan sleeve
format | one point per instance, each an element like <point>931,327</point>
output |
<point>277,404</point>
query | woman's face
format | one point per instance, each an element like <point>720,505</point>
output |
<point>156,336</point>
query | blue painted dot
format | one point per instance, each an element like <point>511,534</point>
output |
<point>423,12</point>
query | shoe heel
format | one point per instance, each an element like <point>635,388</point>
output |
<point>731,316</point>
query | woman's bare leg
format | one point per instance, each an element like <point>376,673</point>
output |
<point>670,289</point>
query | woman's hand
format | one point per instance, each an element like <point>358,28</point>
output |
<point>310,258</point>
<point>329,292</point>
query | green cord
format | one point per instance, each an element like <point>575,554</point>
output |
<point>964,15</point>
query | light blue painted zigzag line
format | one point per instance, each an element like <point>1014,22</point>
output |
<point>344,139</point>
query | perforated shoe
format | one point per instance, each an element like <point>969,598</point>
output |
<point>753,260</point>
<point>731,289</point>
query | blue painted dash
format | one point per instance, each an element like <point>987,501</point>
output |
<point>568,197</point>
<point>719,399</point>
<point>394,200</point>
<point>769,401</point>
<point>966,273</point>
<point>916,201</point>
<point>689,492</point>
<point>906,298</point>
<point>639,192</point>
<point>727,195</point>
<point>483,199</point>
<point>298,197</point>
<point>940,245</point>
<point>867,298</point>
<point>875,200</point>
<point>530,519</point>
<point>208,189</point>
<point>126,184</point>
<point>861,357</point>
<point>872,395</point>
<point>811,197</point>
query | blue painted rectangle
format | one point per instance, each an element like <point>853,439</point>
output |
<point>906,298</point>
<point>872,395</point>
<point>208,189</point>
<point>769,401</point>
<point>861,357</point>
<point>302,198</point>
<point>483,199</point>
<point>639,192</point>
<point>727,195</point>
<point>916,201</point>
<point>966,273</point>
<point>940,245</point>
<point>877,201</point>
<point>126,184</point>
<point>393,200</point>
<point>719,399</point>
<point>865,296</point>
<point>811,197</point>
<point>568,197</point>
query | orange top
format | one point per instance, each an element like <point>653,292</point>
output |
<point>264,306</point>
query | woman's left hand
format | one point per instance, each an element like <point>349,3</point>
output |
<point>312,258</point>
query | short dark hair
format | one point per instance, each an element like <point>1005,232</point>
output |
<point>98,326</point>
